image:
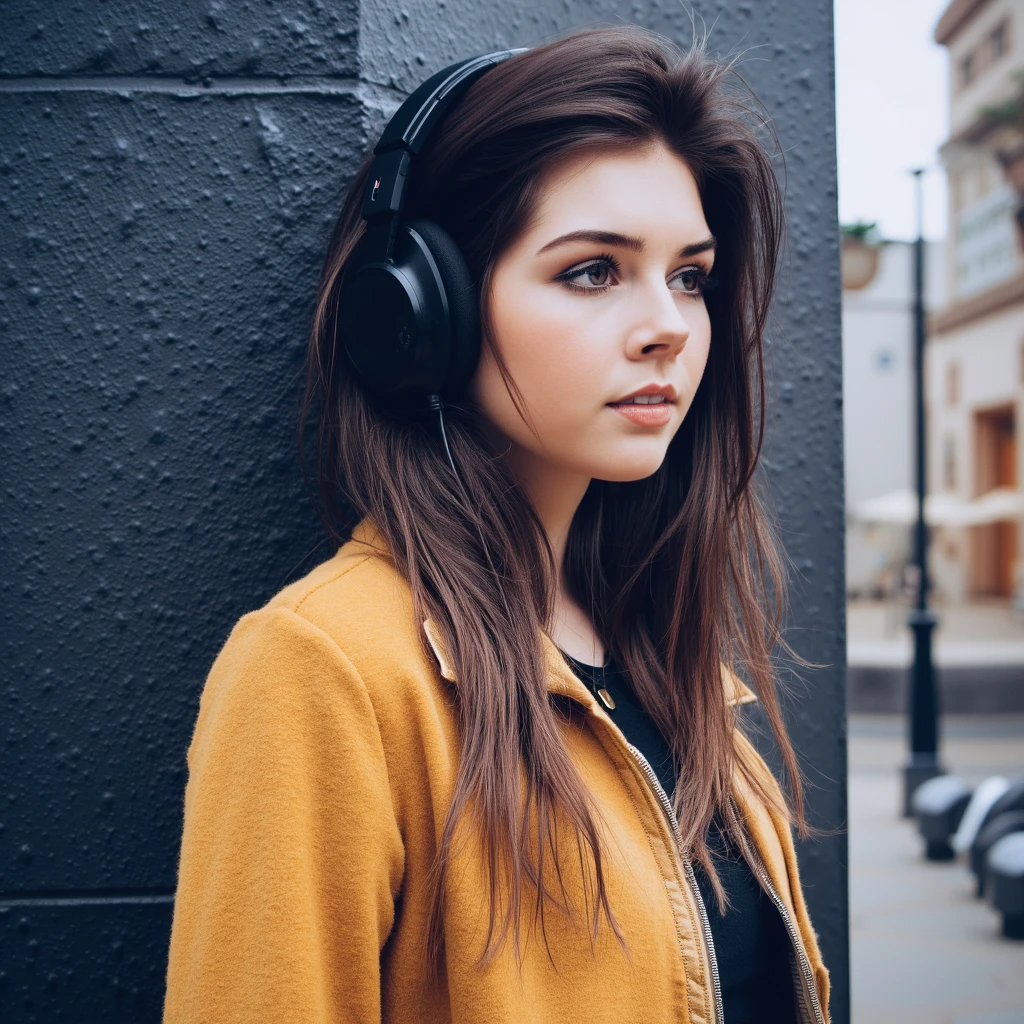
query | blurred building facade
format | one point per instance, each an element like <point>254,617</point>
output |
<point>878,383</point>
<point>975,357</point>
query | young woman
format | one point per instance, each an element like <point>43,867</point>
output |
<point>484,764</point>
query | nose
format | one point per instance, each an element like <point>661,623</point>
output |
<point>660,329</point>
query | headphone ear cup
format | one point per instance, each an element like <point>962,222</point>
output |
<point>463,306</point>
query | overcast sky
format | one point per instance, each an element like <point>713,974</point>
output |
<point>891,112</point>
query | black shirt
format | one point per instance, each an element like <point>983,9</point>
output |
<point>751,944</point>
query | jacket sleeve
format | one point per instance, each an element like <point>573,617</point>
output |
<point>291,855</point>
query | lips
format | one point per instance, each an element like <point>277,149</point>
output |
<point>650,394</point>
<point>656,415</point>
<point>643,400</point>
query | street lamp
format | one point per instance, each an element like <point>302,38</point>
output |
<point>924,705</point>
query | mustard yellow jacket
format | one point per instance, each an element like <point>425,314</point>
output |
<point>322,764</point>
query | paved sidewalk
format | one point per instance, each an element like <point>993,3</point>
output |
<point>978,648</point>
<point>923,949</point>
<point>986,632</point>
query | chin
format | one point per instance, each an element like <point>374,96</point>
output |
<point>628,466</point>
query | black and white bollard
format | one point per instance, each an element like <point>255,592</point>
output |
<point>1005,866</point>
<point>938,805</point>
<point>1002,825</point>
<point>983,799</point>
<point>1011,800</point>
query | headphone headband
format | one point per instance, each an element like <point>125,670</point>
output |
<point>408,130</point>
<point>408,306</point>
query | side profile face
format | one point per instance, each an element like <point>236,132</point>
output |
<point>598,299</point>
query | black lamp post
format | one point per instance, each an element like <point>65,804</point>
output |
<point>924,704</point>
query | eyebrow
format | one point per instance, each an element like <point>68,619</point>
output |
<point>630,242</point>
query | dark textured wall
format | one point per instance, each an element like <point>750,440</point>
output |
<point>168,173</point>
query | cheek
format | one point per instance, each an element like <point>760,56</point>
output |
<point>549,351</point>
<point>698,347</point>
<point>693,358</point>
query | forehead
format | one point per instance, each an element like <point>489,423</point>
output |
<point>649,192</point>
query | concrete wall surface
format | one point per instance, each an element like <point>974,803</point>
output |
<point>168,176</point>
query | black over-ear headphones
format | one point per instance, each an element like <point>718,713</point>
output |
<point>408,311</point>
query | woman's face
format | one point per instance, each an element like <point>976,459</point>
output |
<point>599,299</point>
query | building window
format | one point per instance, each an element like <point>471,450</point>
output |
<point>966,71</point>
<point>993,47</point>
<point>952,384</point>
<point>949,463</point>
<point>998,40</point>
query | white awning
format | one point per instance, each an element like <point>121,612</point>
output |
<point>900,508</point>
<point>941,509</point>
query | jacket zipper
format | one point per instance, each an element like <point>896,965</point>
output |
<point>691,878</point>
<point>808,989</point>
<point>805,975</point>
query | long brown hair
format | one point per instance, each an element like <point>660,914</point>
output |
<point>680,569</point>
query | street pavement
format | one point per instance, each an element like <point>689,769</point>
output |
<point>923,949</point>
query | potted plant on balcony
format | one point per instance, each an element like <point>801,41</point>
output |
<point>859,256</point>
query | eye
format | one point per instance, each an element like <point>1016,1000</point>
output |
<point>596,272</point>
<point>696,281</point>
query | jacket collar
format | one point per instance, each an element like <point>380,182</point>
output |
<point>561,678</point>
<point>367,532</point>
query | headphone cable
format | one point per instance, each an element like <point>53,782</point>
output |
<point>435,403</point>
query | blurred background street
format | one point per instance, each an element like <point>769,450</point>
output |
<point>923,949</point>
<point>979,649</point>
<point>933,350</point>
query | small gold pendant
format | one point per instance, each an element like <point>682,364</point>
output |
<point>606,699</point>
